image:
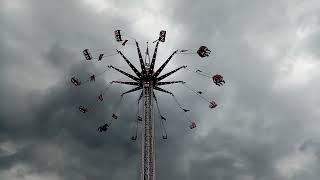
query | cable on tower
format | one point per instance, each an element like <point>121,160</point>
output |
<point>192,123</point>
<point>161,119</point>
<point>196,92</point>
<point>212,103</point>
<point>217,78</point>
<point>123,39</point>
<point>114,116</point>
<point>116,111</point>
<point>139,118</point>
<point>203,51</point>
<point>105,127</point>
<point>91,54</point>
<point>91,78</point>
<point>99,97</point>
<point>199,72</point>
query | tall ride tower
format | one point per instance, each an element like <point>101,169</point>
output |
<point>148,144</point>
<point>148,80</point>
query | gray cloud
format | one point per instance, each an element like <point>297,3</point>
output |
<point>265,114</point>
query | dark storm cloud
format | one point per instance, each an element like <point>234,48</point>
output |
<point>50,135</point>
<point>258,111</point>
<point>256,127</point>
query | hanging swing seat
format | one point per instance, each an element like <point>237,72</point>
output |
<point>87,54</point>
<point>203,51</point>
<point>218,79</point>
<point>133,138</point>
<point>117,35</point>
<point>185,110</point>
<point>162,36</point>
<point>100,57</point>
<point>83,109</point>
<point>100,98</point>
<point>75,81</point>
<point>114,116</point>
<point>92,77</point>
<point>192,125</point>
<point>212,105</point>
<point>103,128</point>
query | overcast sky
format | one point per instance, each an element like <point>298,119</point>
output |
<point>266,125</point>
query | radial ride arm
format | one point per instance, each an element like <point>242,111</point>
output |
<point>163,90</point>
<point>164,64</point>
<point>127,74</point>
<point>169,82</point>
<point>154,58</point>
<point>126,82</point>
<point>143,67</point>
<point>169,73</point>
<point>132,90</point>
<point>135,70</point>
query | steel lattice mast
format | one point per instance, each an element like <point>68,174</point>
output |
<point>147,79</point>
<point>148,143</point>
